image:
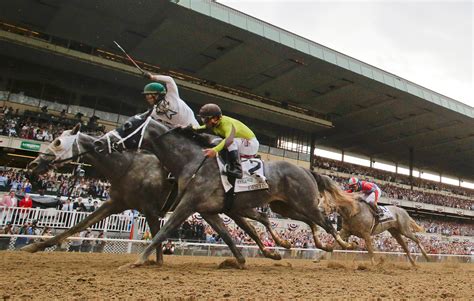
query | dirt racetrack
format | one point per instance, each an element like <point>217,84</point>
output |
<point>60,275</point>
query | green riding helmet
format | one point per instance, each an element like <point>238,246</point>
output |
<point>154,88</point>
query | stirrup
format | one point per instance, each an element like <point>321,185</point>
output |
<point>170,178</point>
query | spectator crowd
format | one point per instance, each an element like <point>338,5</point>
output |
<point>388,176</point>
<point>465,200</point>
<point>39,126</point>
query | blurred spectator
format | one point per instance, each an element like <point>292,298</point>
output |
<point>168,249</point>
<point>86,245</point>
<point>147,235</point>
<point>99,244</point>
<point>22,241</point>
<point>75,244</point>
<point>26,202</point>
<point>3,182</point>
<point>5,241</point>
<point>8,201</point>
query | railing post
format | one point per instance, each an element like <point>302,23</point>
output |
<point>72,219</point>
<point>106,224</point>
<point>36,213</point>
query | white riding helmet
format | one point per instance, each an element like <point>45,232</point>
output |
<point>353,181</point>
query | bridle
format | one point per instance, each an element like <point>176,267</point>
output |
<point>113,146</point>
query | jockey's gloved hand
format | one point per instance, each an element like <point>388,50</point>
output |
<point>148,75</point>
<point>188,128</point>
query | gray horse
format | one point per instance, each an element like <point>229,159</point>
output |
<point>138,181</point>
<point>363,224</point>
<point>293,191</point>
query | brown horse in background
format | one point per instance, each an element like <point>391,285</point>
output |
<point>363,224</point>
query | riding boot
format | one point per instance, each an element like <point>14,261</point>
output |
<point>234,168</point>
<point>379,212</point>
<point>376,211</point>
<point>229,195</point>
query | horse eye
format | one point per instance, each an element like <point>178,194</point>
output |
<point>57,142</point>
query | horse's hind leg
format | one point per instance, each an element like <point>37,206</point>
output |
<point>287,211</point>
<point>216,223</point>
<point>320,219</point>
<point>263,219</point>
<point>102,212</point>
<point>370,247</point>
<point>317,242</point>
<point>154,224</point>
<point>250,230</point>
<point>402,243</point>
<point>413,237</point>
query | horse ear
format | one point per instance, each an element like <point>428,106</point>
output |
<point>76,129</point>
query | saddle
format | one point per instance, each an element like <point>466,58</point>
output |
<point>253,176</point>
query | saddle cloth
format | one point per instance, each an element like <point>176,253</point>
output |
<point>387,214</point>
<point>253,176</point>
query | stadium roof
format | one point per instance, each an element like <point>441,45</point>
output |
<point>346,103</point>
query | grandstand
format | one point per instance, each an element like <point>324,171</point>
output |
<point>297,95</point>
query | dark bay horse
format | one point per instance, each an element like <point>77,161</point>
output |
<point>138,181</point>
<point>293,191</point>
<point>363,225</point>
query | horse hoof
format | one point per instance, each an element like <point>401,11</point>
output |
<point>273,255</point>
<point>130,266</point>
<point>328,249</point>
<point>30,248</point>
<point>286,244</point>
<point>231,264</point>
<point>352,246</point>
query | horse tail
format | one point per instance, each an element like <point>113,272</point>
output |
<point>415,227</point>
<point>340,198</point>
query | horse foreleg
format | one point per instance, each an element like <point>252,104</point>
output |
<point>154,224</point>
<point>402,243</point>
<point>102,212</point>
<point>216,223</point>
<point>263,219</point>
<point>250,230</point>
<point>181,213</point>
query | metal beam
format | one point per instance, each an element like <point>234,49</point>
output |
<point>58,50</point>
<point>374,129</point>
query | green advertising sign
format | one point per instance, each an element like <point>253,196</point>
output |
<point>32,146</point>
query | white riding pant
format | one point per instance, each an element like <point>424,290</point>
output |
<point>373,197</point>
<point>246,148</point>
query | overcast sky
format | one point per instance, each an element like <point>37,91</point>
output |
<point>427,42</point>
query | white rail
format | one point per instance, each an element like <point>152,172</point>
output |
<point>59,219</point>
<point>109,245</point>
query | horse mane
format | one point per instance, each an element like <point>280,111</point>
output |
<point>203,140</point>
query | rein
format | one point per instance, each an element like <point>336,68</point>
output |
<point>180,196</point>
<point>121,141</point>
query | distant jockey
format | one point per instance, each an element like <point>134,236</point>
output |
<point>371,193</point>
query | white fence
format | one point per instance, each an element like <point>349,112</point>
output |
<point>121,246</point>
<point>59,219</point>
